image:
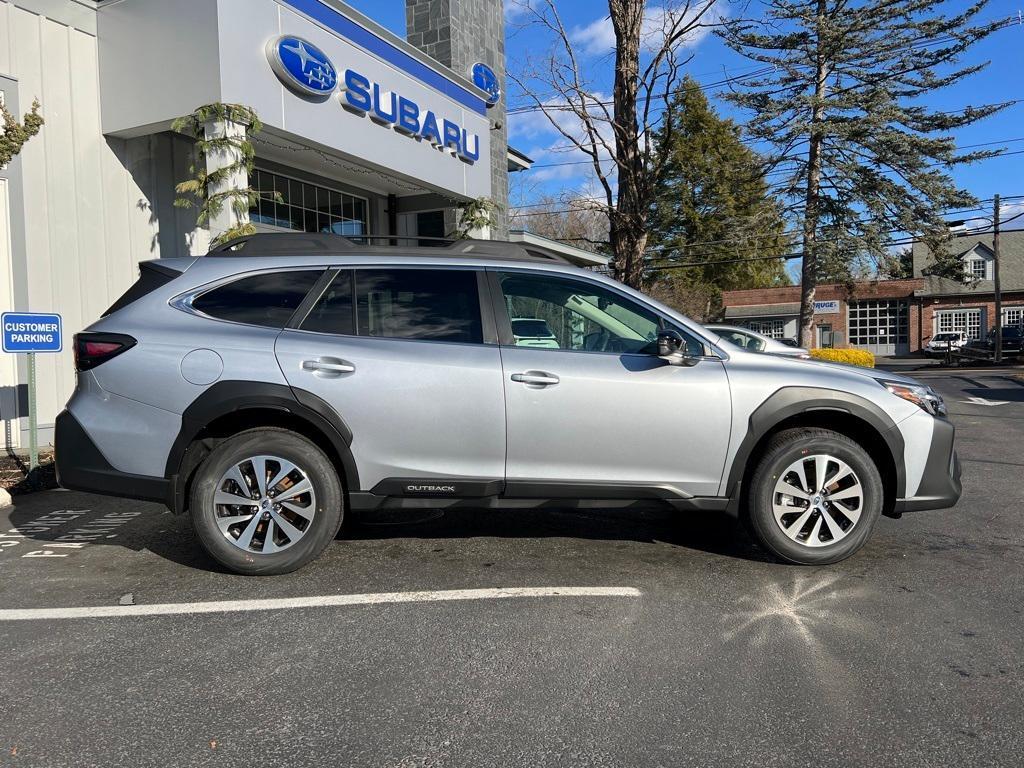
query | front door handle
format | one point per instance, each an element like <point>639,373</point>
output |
<point>328,366</point>
<point>536,378</point>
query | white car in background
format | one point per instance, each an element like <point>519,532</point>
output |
<point>752,341</point>
<point>940,343</point>
<point>533,332</point>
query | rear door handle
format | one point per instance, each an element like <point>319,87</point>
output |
<point>328,366</point>
<point>537,378</point>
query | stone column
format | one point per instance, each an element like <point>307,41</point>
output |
<point>222,157</point>
<point>458,34</point>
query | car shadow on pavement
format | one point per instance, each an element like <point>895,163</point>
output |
<point>139,527</point>
<point>712,533</point>
<point>1011,394</point>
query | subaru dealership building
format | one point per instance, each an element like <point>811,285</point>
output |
<point>365,133</point>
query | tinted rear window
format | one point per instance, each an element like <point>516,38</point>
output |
<point>268,299</point>
<point>426,304</point>
<point>333,312</point>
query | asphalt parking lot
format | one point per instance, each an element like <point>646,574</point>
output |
<point>701,653</point>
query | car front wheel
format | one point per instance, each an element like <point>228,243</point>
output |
<point>814,496</point>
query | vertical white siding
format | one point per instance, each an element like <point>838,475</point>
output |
<point>93,205</point>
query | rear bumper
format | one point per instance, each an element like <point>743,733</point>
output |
<point>940,486</point>
<point>82,467</point>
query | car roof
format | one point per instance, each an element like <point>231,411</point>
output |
<point>339,246</point>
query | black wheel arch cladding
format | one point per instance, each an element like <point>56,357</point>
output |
<point>789,402</point>
<point>229,397</point>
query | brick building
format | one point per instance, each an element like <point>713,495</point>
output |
<point>896,317</point>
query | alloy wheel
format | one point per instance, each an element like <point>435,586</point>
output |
<point>817,500</point>
<point>264,504</point>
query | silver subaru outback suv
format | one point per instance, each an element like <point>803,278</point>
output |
<point>281,381</point>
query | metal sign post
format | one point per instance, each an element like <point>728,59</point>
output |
<point>33,427</point>
<point>29,333</point>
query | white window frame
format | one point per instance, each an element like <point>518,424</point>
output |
<point>773,328</point>
<point>1013,316</point>
<point>971,260</point>
<point>968,321</point>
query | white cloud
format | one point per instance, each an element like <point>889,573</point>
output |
<point>515,8</point>
<point>1007,212</point>
<point>598,37</point>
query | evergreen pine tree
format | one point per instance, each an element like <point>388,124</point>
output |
<point>712,206</point>
<point>841,108</point>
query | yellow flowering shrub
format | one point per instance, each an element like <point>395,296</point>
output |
<point>859,357</point>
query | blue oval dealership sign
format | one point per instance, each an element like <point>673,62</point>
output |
<point>302,67</point>
<point>485,79</point>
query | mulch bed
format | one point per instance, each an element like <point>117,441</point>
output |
<point>14,474</point>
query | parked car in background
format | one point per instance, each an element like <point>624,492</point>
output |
<point>282,381</point>
<point>982,349</point>
<point>752,341</point>
<point>533,332</point>
<point>942,343</point>
<point>790,342</point>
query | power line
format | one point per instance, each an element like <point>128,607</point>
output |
<point>702,87</point>
<point>799,254</point>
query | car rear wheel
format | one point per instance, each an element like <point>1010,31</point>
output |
<point>814,497</point>
<point>266,501</point>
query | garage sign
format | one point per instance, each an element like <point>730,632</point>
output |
<point>826,307</point>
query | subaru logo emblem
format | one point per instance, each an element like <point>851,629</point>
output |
<point>485,79</point>
<point>302,67</point>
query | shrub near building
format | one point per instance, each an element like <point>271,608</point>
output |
<point>860,357</point>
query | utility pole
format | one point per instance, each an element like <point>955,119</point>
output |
<point>995,281</point>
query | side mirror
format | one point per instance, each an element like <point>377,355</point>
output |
<point>672,348</point>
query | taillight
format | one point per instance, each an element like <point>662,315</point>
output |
<point>92,349</point>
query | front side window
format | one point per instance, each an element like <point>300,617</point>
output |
<point>549,312</point>
<point>425,304</point>
<point>267,299</point>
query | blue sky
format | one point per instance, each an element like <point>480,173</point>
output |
<point>587,22</point>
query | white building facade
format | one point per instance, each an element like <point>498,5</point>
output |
<point>364,134</point>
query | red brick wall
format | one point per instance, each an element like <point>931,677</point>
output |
<point>921,311</point>
<point>985,302</point>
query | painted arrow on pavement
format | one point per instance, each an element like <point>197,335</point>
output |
<point>983,401</point>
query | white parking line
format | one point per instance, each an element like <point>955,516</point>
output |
<point>321,601</point>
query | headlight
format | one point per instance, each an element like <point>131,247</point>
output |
<point>924,397</point>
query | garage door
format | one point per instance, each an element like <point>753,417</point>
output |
<point>879,326</point>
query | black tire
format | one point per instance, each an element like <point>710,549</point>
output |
<point>781,452</point>
<point>292,447</point>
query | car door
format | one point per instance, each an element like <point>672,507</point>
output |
<point>400,354</point>
<point>600,409</point>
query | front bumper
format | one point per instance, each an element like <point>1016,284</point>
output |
<point>82,467</point>
<point>940,486</point>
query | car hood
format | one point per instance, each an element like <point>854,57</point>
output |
<point>853,370</point>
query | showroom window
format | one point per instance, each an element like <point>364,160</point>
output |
<point>267,299</point>
<point>966,321</point>
<point>773,329</point>
<point>290,204</point>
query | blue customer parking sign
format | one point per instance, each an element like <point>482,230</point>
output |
<point>31,332</point>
